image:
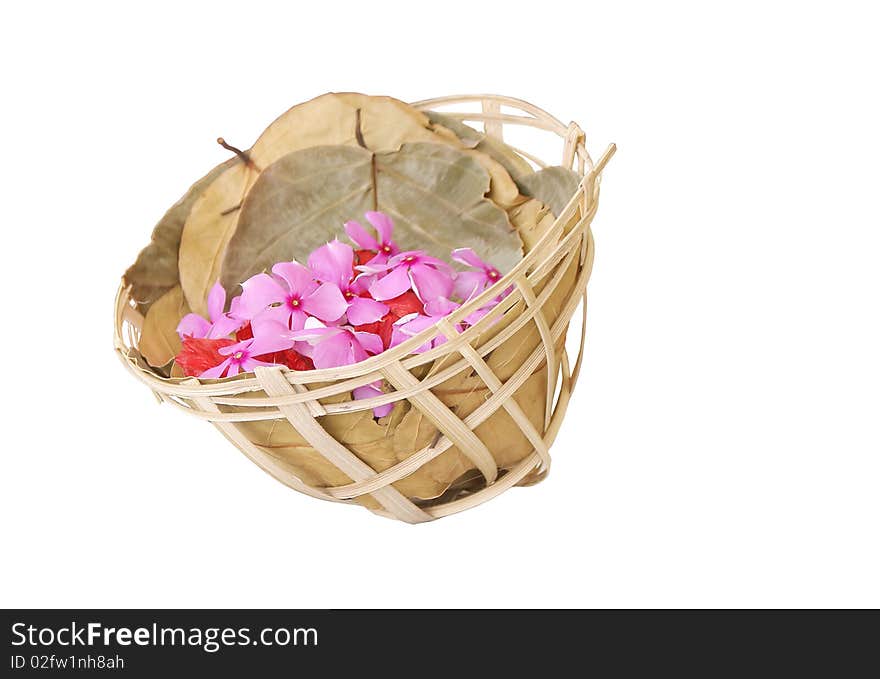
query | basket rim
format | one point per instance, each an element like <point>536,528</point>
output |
<point>377,362</point>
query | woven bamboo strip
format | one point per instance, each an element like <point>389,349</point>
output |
<point>304,422</point>
<point>445,420</point>
<point>492,128</point>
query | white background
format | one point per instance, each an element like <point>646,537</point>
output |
<point>722,446</point>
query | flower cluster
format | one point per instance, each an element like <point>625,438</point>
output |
<point>343,306</point>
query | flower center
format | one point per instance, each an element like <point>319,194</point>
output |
<point>386,249</point>
<point>294,303</point>
<point>348,294</point>
<point>493,274</point>
<point>409,258</point>
<point>238,355</point>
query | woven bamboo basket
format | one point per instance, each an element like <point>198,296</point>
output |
<point>530,324</point>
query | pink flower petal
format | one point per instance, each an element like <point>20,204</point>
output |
<point>326,302</point>
<point>411,329</point>
<point>369,341</point>
<point>269,337</point>
<point>470,283</point>
<point>217,371</point>
<point>278,314</point>
<point>392,285</point>
<point>299,278</point>
<point>259,292</point>
<point>371,391</point>
<point>223,327</point>
<point>297,319</point>
<point>358,353</point>
<point>194,326</point>
<point>360,237</point>
<point>401,257</point>
<point>362,282</point>
<point>216,301</point>
<point>469,257</point>
<point>234,348</point>
<point>250,363</point>
<point>332,263</point>
<point>269,344</point>
<point>313,335</point>
<point>379,264</point>
<point>441,306</point>
<point>383,410</point>
<point>236,310</point>
<point>383,225</point>
<point>429,283</point>
<point>334,351</point>
<point>362,310</point>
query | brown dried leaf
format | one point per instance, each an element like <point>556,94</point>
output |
<point>159,342</point>
<point>553,186</point>
<point>208,228</point>
<point>515,165</point>
<point>434,193</point>
<point>331,119</point>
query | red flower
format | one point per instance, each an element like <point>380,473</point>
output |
<point>290,358</point>
<point>362,257</point>
<point>197,354</point>
<point>405,304</point>
<point>244,333</point>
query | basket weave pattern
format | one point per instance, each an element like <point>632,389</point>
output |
<point>548,285</point>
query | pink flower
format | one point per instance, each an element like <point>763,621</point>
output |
<point>241,356</point>
<point>371,391</point>
<point>290,296</point>
<point>334,263</point>
<point>427,276</point>
<point>471,283</point>
<point>335,346</point>
<point>383,246</point>
<point>221,324</point>
<point>413,324</point>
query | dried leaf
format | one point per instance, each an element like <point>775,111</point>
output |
<point>159,342</point>
<point>516,166</point>
<point>155,271</point>
<point>332,120</point>
<point>532,220</point>
<point>553,185</point>
<point>434,193</point>
<point>379,123</point>
<point>208,228</point>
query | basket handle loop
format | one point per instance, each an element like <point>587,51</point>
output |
<point>493,128</point>
<point>588,183</point>
<point>573,136</point>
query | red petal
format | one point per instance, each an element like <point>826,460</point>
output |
<point>197,354</point>
<point>244,333</point>
<point>290,358</point>
<point>405,304</point>
<point>363,256</point>
<point>382,327</point>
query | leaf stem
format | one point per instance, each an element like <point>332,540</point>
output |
<point>358,133</point>
<point>243,155</point>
